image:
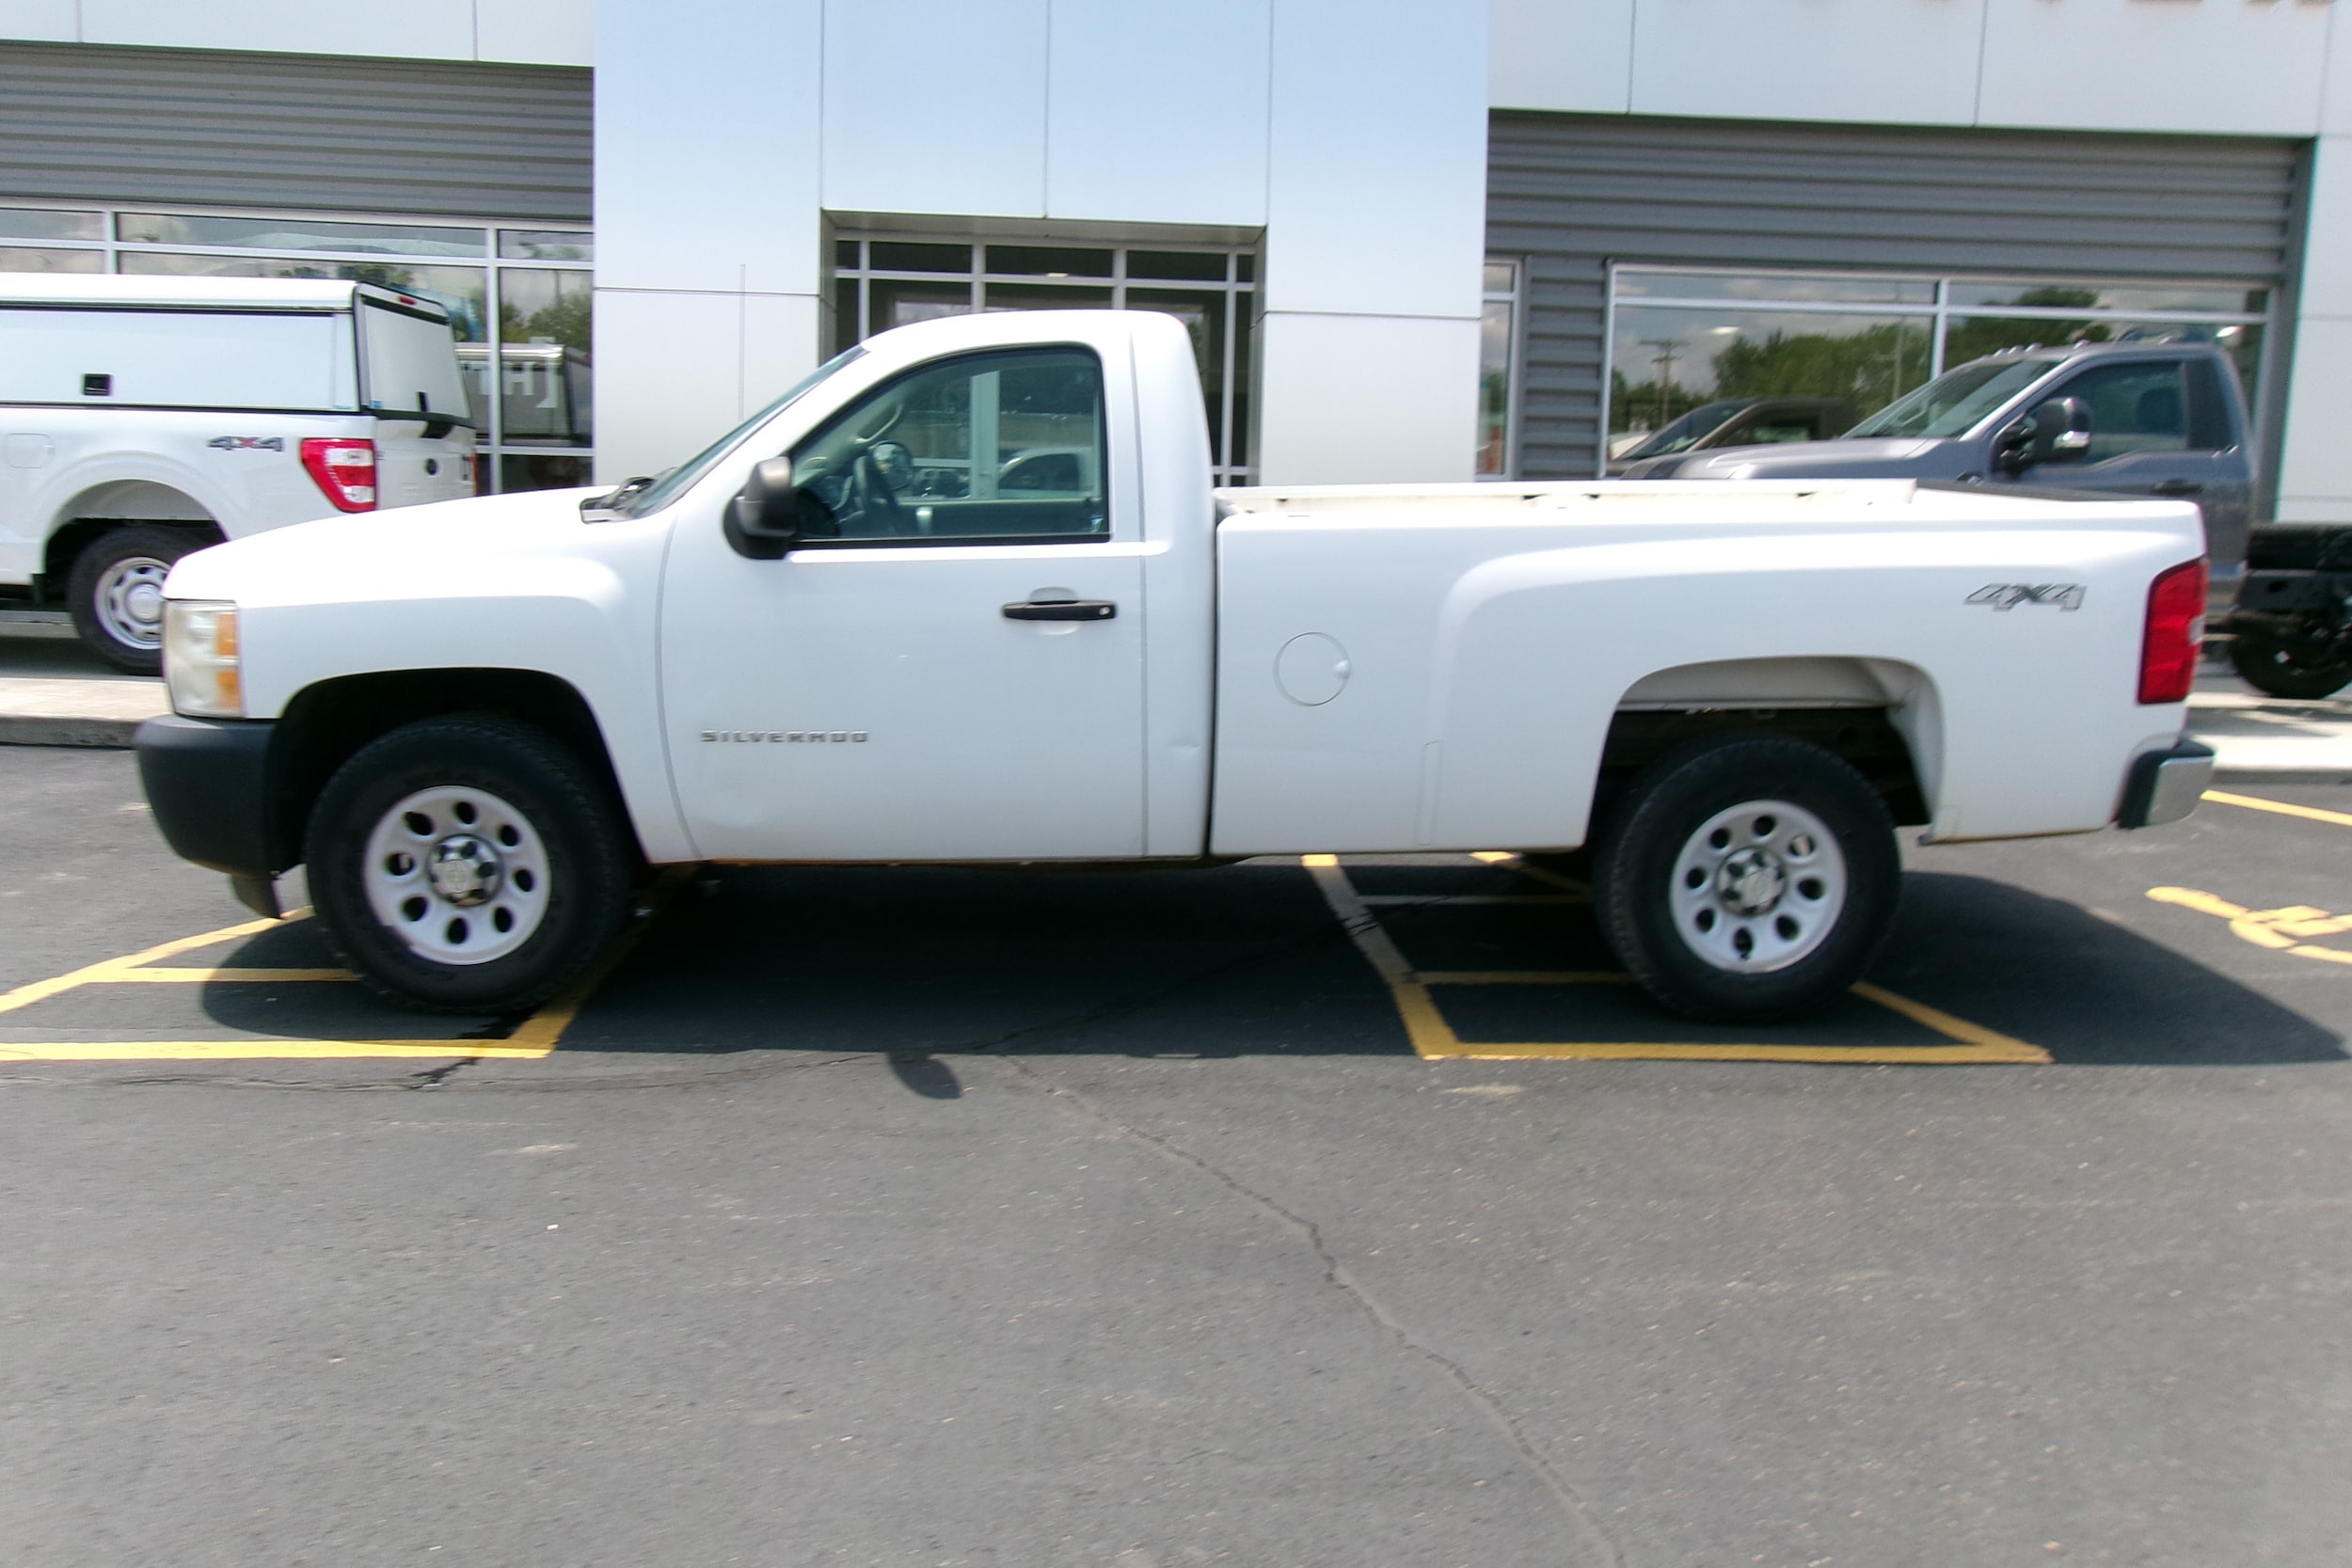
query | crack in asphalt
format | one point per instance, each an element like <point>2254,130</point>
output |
<point>1571,1502</point>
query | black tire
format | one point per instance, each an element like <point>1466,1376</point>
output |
<point>577,834</point>
<point>108,588</point>
<point>1818,933</point>
<point>2283,671</point>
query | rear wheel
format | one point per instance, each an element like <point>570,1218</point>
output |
<point>116,593</point>
<point>467,866</point>
<point>1747,880</point>
<point>2290,670</point>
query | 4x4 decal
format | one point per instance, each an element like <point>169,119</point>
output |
<point>2009,596</point>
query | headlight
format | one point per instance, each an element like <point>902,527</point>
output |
<point>201,658</point>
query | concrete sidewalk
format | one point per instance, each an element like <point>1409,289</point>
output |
<point>53,693</point>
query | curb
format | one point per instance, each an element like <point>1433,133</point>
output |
<point>29,729</point>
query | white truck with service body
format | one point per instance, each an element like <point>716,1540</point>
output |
<point>145,418</point>
<point>870,626</point>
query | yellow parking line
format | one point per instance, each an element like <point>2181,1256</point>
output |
<point>2255,802</point>
<point>1525,977</point>
<point>38,991</point>
<point>1433,1039</point>
<point>204,977</point>
<point>535,1037</point>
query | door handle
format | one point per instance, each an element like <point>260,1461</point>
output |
<point>1060,609</point>
<point>2176,487</point>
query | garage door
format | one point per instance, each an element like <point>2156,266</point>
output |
<point>1569,195</point>
<point>194,127</point>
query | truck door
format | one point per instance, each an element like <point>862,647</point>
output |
<point>950,663</point>
<point>2160,427</point>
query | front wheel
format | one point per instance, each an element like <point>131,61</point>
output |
<point>1747,880</point>
<point>467,865</point>
<point>2286,669</point>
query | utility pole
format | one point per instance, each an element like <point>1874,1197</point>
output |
<point>1669,350</point>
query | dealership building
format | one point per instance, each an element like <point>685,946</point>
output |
<point>1413,240</point>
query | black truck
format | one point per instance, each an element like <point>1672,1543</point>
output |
<point>2140,417</point>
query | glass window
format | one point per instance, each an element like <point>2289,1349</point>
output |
<point>293,233</point>
<point>43,223</point>
<point>1667,362</point>
<point>1206,266</point>
<point>994,446</point>
<point>1494,387</point>
<point>545,358</point>
<point>2139,406</point>
<point>1788,286</point>
<point>546,471</point>
<point>2104,297</point>
<point>1972,336</point>
<point>1031,297</point>
<point>641,496</point>
<point>1048,262</point>
<point>18,258</point>
<point>1203,315</point>
<point>545,245</point>
<point>904,304</point>
<point>888,256</point>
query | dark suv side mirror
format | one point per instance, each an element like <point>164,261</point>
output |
<point>2061,432</point>
<point>764,518</point>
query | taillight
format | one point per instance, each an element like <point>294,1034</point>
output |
<point>345,471</point>
<point>2176,633</point>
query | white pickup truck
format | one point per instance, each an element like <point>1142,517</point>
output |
<point>143,417</point>
<point>869,626</point>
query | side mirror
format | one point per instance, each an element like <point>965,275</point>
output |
<point>764,518</point>
<point>2061,432</point>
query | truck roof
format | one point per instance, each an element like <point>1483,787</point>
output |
<point>236,293</point>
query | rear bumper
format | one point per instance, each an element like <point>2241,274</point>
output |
<point>207,780</point>
<point>2164,786</point>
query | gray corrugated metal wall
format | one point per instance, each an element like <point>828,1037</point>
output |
<point>1568,194</point>
<point>430,137</point>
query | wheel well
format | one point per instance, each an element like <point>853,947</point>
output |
<point>325,724</point>
<point>96,513</point>
<point>1864,737</point>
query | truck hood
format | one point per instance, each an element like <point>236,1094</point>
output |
<point>486,544</point>
<point>1872,458</point>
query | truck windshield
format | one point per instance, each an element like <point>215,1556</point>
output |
<point>1955,400</point>
<point>651,496</point>
<point>1696,425</point>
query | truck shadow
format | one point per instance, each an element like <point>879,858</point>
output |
<point>917,964</point>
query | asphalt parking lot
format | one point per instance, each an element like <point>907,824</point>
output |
<point>1326,1214</point>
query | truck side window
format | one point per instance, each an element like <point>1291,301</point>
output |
<point>990,447</point>
<point>2136,405</point>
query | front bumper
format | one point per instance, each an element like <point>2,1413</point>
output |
<point>2164,786</point>
<point>208,782</point>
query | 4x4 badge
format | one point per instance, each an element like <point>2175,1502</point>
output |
<point>2009,596</point>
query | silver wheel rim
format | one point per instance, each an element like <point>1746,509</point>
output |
<point>1758,887</point>
<point>130,600</point>
<point>459,874</point>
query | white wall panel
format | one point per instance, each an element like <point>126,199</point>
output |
<point>40,21</point>
<point>535,32</point>
<point>1574,56</point>
<point>1350,400</point>
<point>1909,61</point>
<point>675,371</point>
<point>426,30</point>
<point>936,105</point>
<point>2156,64</point>
<point>706,158</point>
<point>2335,105</point>
<point>1157,114</point>
<point>1377,148</point>
<point>2315,467</point>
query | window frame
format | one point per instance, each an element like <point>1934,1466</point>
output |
<point>1940,316</point>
